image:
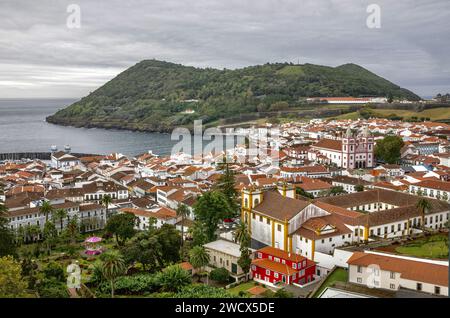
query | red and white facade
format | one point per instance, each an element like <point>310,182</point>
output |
<point>275,267</point>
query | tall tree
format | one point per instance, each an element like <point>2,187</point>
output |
<point>46,208</point>
<point>106,201</point>
<point>169,239</point>
<point>182,212</point>
<point>423,205</point>
<point>122,227</point>
<point>50,234</point>
<point>113,266</point>
<point>60,215</point>
<point>73,229</point>
<point>198,233</point>
<point>242,236</point>
<point>211,208</point>
<point>389,148</point>
<point>33,232</point>
<point>226,184</point>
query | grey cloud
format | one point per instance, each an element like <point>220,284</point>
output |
<point>40,56</point>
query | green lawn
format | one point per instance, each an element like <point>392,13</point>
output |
<point>339,275</point>
<point>242,287</point>
<point>433,247</point>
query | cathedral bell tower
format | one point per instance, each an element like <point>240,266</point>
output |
<point>251,197</point>
<point>348,150</point>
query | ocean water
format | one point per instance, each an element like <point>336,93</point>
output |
<point>23,129</point>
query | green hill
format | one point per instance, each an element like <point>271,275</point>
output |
<point>154,95</point>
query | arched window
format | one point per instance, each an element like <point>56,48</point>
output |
<point>256,202</point>
<point>246,202</point>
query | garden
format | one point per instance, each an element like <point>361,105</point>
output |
<point>433,246</point>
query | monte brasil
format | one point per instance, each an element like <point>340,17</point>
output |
<point>158,96</point>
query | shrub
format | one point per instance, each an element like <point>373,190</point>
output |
<point>54,271</point>
<point>173,278</point>
<point>50,288</point>
<point>203,291</point>
<point>220,275</point>
<point>132,285</point>
<point>282,293</point>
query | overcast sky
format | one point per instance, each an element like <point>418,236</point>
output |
<point>41,57</point>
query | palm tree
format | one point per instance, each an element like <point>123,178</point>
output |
<point>113,266</point>
<point>33,231</point>
<point>183,212</point>
<point>198,257</point>
<point>241,234</point>
<point>20,235</point>
<point>50,235</point>
<point>423,205</point>
<point>106,201</point>
<point>46,208</point>
<point>60,214</point>
<point>73,229</point>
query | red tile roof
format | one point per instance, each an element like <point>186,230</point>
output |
<point>409,269</point>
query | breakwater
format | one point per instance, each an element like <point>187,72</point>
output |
<point>36,155</point>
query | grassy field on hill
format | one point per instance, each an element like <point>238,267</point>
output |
<point>433,114</point>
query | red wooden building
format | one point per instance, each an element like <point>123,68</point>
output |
<point>273,266</point>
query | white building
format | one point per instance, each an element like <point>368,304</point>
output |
<point>392,272</point>
<point>64,161</point>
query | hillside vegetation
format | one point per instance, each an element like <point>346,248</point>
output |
<point>433,114</point>
<point>157,96</point>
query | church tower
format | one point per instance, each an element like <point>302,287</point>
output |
<point>348,150</point>
<point>251,197</point>
<point>367,140</point>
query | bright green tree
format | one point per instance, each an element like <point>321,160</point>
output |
<point>12,284</point>
<point>210,209</point>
